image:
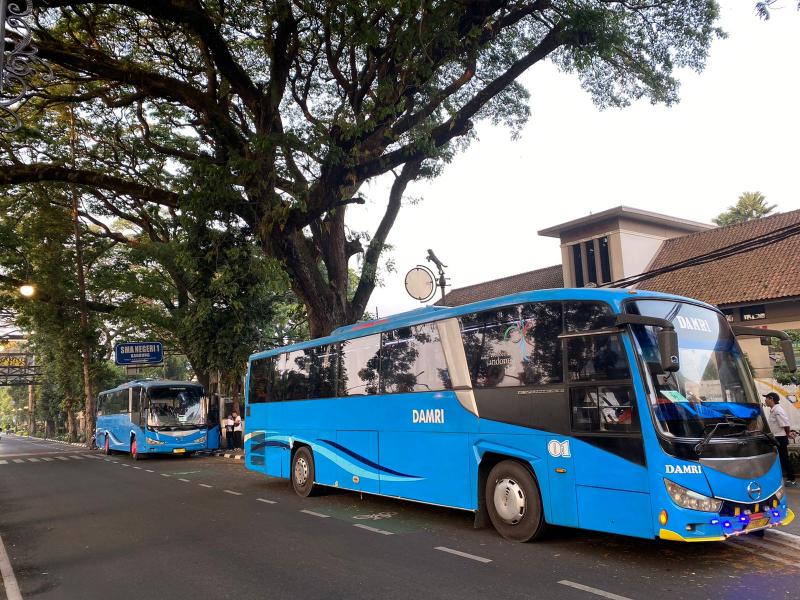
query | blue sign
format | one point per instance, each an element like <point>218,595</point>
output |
<point>139,353</point>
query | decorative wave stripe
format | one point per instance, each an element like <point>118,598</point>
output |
<point>271,443</point>
<point>368,462</point>
<point>366,470</point>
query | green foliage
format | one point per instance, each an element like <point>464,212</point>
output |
<point>270,117</point>
<point>751,205</point>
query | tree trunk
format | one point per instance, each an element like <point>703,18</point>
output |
<point>70,422</point>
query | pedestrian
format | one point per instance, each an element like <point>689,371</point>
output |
<point>237,430</point>
<point>779,426</point>
<point>229,425</point>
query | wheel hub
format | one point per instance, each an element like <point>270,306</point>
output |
<point>301,471</point>
<point>509,501</point>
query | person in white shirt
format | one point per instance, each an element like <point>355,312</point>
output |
<point>779,426</point>
<point>237,430</point>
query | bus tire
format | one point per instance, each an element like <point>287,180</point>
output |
<point>514,502</point>
<point>106,446</point>
<point>134,450</point>
<point>303,472</point>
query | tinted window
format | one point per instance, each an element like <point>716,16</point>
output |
<point>292,381</point>
<point>322,373</point>
<point>359,365</point>
<point>136,399</point>
<point>603,409</point>
<point>514,346</point>
<point>577,265</point>
<point>605,261</point>
<point>412,360</point>
<point>591,265</point>
<point>584,316</point>
<point>596,358</point>
<point>260,380</point>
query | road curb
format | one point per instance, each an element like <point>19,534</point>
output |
<point>229,455</point>
<point>36,437</point>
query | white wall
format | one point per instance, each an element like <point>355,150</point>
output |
<point>637,251</point>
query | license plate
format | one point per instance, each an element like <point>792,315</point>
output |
<point>178,450</point>
<point>757,523</point>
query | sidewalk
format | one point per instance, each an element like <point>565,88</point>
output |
<point>235,454</point>
<point>793,502</point>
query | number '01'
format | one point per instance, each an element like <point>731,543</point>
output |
<point>556,448</point>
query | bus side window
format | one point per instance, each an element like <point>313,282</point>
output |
<point>100,406</point>
<point>359,366</point>
<point>261,372</point>
<point>596,357</point>
<point>322,372</point>
<point>608,409</point>
<point>412,360</point>
<point>585,316</point>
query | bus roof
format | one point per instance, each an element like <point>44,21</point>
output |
<point>426,314</point>
<point>148,383</point>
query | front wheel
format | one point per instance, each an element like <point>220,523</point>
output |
<point>514,502</point>
<point>303,472</point>
<point>106,448</point>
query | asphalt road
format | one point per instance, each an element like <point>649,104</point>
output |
<point>79,525</point>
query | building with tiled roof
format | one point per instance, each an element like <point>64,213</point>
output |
<point>765,274</point>
<point>539,279</point>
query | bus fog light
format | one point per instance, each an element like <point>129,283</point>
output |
<point>686,498</point>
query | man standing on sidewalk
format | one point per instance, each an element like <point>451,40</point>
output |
<point>779,426</point>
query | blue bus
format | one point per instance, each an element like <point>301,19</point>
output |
<point>620,411</point>
<point>154,416</point>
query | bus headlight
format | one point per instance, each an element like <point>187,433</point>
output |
<point>779,494</point>
<point>689,499</point>
<point>201,440</point>
<point>153,442</point>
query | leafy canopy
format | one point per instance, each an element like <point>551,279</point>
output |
<point>278,112</point>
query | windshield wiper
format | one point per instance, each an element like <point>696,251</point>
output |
<point>728,422</point>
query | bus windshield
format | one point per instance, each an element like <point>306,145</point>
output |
<point>713,384</point>
<point>175,407</point>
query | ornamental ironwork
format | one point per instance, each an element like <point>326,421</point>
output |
<point>18,60</point>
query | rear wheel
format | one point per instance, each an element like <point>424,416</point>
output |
<point>514,502</point>
<point>303,472</point>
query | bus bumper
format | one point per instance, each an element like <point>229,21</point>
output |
<point>703,535</point>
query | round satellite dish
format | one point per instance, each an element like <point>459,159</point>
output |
<point>420,283</point>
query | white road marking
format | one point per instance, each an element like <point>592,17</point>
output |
<point>591,590</point>
<point>47,459</point>
<point>205,485</point>
<point>463,554</point>
<point>232,492</point>
<point>3,462</point>
<point>164,474</point>
<point>315,514</point>
<point>375,529</point>
<point>107,459</point>
<point>7,573</point>
<point>139,468</point>
<point>33,460</point>
<point>89,456</point>
<point>18,460</point>
<point>150,470</point>
<point>76,457</point>
<point>265,501</point>
<point>62,458</point>
<point>182,479</point>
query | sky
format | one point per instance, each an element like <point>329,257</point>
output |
<point>736,129</point>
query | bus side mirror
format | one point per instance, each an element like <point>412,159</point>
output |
<point>788,354</point>
<point>668,347</point>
